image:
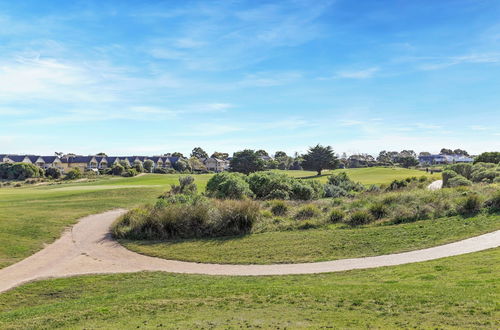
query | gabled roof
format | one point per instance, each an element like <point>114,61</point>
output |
<point>50,159</point>
<point>16,158</point>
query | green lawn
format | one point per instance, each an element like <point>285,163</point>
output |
<point>371,175</point>
<point>319,244</point>
<point>457,292</point>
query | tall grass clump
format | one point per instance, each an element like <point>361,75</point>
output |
<point>279,207</point>
<point>360,217</point>
<point>196,218</point>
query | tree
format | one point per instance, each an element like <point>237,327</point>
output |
<point>460,152</point>
<point>196,164</point>
<point>320,158</point>
<point>148,165</point>
<point>199,153</point>
<point>488,157</point>
<point>424,153</point>
<point>220,155</point>
<point>181,165</point>
<point>102,154</point>
<point>262,153</point>
<point>125,164</point>
<point>177,154</point>
<point>280,154</point>
<point>246,161</point>
<point>445,151</point>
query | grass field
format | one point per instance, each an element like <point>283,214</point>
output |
<point>371,175</point>
<point>457,292</point>
<point>319,244</point>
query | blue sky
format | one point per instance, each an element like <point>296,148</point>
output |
<point>150,77</point>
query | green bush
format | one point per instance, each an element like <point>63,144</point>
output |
<point>117,169</point>
<point>447,175</point>
<point>279,208</point>
<point>73,174</point>
<point>186,186</point>
<point>263,184</point>
<point>228,185</point>
<point>493,204</point>
<point>464,169</point>
<point>469,205</point>
<point>307,211</point>
<point>129,172</point>
<point>336,215</point>
<point>335,191</point>
<point>20,171</point>
<point>458,181</point>
<point>378,210</point>
<point>53,173</point>
<point>397,184</point>
<point>485,175</point>
<point>198,218</point>
<point>360,217</point>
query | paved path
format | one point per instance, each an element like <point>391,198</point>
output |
<point>436,185</point>
<point>88,248</point>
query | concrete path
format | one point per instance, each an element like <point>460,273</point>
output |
<point>88,248</point>
<point>436,185</point>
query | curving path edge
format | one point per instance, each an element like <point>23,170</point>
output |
<point>87,248</point>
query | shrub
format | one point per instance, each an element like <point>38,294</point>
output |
<point>53,173</point>
<point>335,191</point>
<point>138,167</point>
<point>343,181</point>
<point>129,173</point>
<point>279,208</point>
<point>20,171</point>
<point>469,205</point>
<point>485,175</point>
<point>458,180</point>
<point>336,215</point>
<point>263,184</point>
<point>197,218</point>
<point>447,175</point>
<point>307,211</point>
<point>493,204</point>
<point>378,210</point>
<point>228,185</point>
<point>186,186</point>
<point>463,169</point>
<point>360,217</point>
<point>73,174</point>
<point>117,169</point>
<point>397,184</point>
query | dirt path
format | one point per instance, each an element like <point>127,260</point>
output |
<point>88,248</point>
<point>436,185</point>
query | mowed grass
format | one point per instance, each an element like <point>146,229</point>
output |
<point>367,176</point>
<point>457,292</point>
<point>319,244</point>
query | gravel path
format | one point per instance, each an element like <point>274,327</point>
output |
<point>87,248</point>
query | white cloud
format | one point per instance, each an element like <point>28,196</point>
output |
<point>358,74</point>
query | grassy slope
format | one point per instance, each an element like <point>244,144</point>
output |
<point>319,244</point>
<point>456,292</point>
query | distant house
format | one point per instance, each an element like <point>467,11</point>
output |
<point>216,165</point>
<point>443,159</point>
<point>84,163</point>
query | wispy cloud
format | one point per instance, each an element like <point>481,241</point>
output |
<point>358,74</point>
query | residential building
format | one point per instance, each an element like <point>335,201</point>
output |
<point>443,159</point>
<point>216,165</point>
